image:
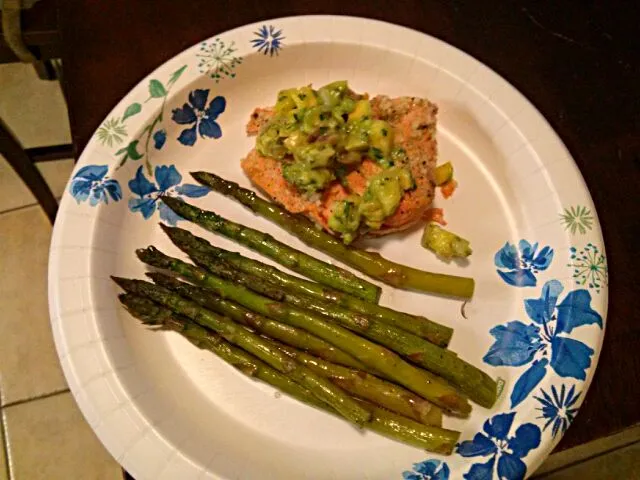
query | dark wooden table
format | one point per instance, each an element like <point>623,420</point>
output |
<point>578,62</point>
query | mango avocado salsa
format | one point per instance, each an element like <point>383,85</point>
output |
<point>322,135</point>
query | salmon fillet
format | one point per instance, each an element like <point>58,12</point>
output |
<point>414,123</point>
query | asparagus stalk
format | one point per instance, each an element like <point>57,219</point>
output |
<point>152,314</point>
<point>264,243</point>
<point>470,380</point>
<point>368,387</point>
<point>425,384</point>
<point>234,333</point>
<point>295,337</point>
<point>370,263</point>
<point>382,422</point>
<point>418,325</point>
<point>355,382</point>
<point>434,439</point>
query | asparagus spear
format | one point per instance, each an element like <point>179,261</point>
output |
<point>421,326</point>
<point>296,337</point>
<point>234,333</point>
<point>425,384</point>
<point>471,380</point>
<point>383,422</point>
<point>370,263</point>
<point>368,387</point>
<point>355,382</point>
<point>264,243</point>
<point>434,439</point>
<point>150,313</point>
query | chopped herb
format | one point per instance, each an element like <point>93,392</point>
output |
<point>385,132</point>
<point>323,130</point>
<point>302,96</point>
<point>377,153</point>
<point>323,116</point>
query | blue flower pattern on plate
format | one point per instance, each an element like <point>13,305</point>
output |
<point>518,266</point>
<point>200,116</point>
<point>159,138</point>
<point>558,409</point>
<point>504,451</point>
<point>268,41</point>
<point>545,342</point>
<point>91,182</point>
<point>428,470</point>
<point>167,182</point>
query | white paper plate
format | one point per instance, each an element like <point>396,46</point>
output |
<point>167,410</point>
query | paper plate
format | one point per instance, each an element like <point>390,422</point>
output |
<point>167,410</point>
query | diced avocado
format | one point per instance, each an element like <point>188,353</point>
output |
<point>349,158</point>
<point>383,195</point>
<point>443,173</point>
<point>381,137</point>
<point>331,95</point>
<point>345,218</point>
<point>316,117</point>
<point>296,140</point>
<point>361,110</point>
<point>304,177</point>
<point>357,136</point>
<point>444,243</point>
<point>357,141</point>
<point>269,143</point>
<point>315,155</point>
<point>346,106</point>
<point>372,211</point>
<point>285,101</point>
<point>305,97</point>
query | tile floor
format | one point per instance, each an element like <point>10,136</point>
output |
<point>41,428</point>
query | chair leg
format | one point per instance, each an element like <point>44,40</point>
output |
<point>11,149</point>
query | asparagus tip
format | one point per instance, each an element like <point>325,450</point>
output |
<point>165,228</point>
<point>122,282</point>
<point>149,253</point>
<point>197,175</point>
<point>169,201</point>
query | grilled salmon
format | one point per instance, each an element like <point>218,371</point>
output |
<point>414,123</point>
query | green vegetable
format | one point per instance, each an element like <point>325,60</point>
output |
<point>152,314</point>
<point>425,384</point>
<point>443,173</point>
<point>383,195</point>
<point>295,337</point>
<point>345,218</point>
<point>357,382</point>
<point>315,133</point>
<point>432,439</point>
<point>315,156</point>
<point>444,243</point>
<point>470,380</point>
<point>364,385</point>
<point>382,421</point>
<point>300,262</point>
<point>381,136</point>
<point>427,329</point>
<point>370,263</point>
<point>381,199</point>
<point>320,387</point>
<point>306,178</point>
